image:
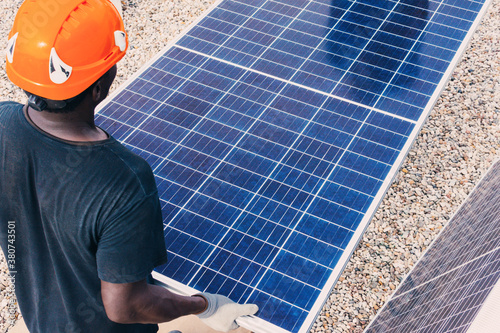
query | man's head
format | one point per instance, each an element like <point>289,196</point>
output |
<point>60,51</point>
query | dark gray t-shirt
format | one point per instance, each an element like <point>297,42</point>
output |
<point>72,214</point>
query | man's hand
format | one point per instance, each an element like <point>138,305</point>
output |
<point>221,313</point>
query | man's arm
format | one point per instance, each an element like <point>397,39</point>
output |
<point>140,302</point>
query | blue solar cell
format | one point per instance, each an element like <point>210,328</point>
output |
<point>446,31</point>
<point>450,21</point>
<point>208,35</point>
<point>361,20</point>
<point>410,83</point>
<point>351,34</point>
<point>280,9</point>
<point>377,11</point>
<point>374,72</point>
<point>453,11</point>
<point>278,68</point>
<point>379,4</point>
<point>239,7</point>
<point>253,162</point>
<point>319,76</point>
<point>222,25</point>
<point>321,15</point>
<point>357,88</point>
<point>467,4</point>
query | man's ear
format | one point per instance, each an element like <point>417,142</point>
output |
<point>97,91</point>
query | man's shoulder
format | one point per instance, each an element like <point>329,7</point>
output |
<point>8,111</point>
<point>10,104</point>
<point>7,108</point>
<point>136,166</point>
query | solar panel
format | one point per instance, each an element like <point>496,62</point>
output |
<point>274,129</point>
<point>448,286</point>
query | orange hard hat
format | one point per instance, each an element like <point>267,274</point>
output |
<point>59,48</point>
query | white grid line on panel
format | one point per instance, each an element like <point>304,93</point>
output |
<point>238,281</point>
<point>272,108</point>
<point>266,158</point>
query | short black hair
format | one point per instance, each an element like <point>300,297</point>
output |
<point>54,106</point>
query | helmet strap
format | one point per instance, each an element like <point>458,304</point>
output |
<point>36,103</point>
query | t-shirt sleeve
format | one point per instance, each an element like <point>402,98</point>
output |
<point>131,243</point>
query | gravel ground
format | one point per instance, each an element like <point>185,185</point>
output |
<point>456,146</point>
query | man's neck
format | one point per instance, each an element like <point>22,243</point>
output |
<point>76,126</point>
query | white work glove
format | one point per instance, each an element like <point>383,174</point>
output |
<point>221,313</point>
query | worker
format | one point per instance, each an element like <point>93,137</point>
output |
<point>80,217</point>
